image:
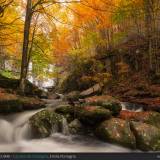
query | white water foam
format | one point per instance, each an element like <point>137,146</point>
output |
<point>15,137</point>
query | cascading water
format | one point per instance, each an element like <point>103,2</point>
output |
<point>15,137</point>
<point>131,107</point>
<point>6,131</point>
<point>65,129</point>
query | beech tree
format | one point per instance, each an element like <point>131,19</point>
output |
<point>31,8</point>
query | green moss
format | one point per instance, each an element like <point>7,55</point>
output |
<point>92,114</point>
<point>75,127</point>
<point>65,109</point>
<point>147,136</point>
<point>43,122</point>
<point>153,119</point>
<point>112,105</point>
<point>116,131</point>
<point>8,106</point>
<point>17,104</point>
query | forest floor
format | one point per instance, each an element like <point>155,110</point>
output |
<point>136,89</point>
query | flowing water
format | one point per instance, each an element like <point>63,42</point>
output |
<point>15,137</point>
<point>131,107</point>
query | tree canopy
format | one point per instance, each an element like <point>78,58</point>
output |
<point>60,32</point>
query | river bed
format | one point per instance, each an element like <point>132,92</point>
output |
<point>15,137</point>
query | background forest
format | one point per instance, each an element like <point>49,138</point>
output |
<point>79,43</point>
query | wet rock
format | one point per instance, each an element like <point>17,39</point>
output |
<point>73,96</point>
<point>10,104</point>
<point>152,118</point>
<point>116,131</point>
<point>147,136</point>
<point>92,114</point>
<point>76,127</point>
<point>44,123</point>
<point>107,102</point>
<point>65,109</point>
<point>69,117</point>
<point>31,103</point>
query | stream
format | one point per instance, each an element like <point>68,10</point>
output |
<point>15,137</point>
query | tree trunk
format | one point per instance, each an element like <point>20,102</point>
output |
<point>24,62</point>
<point>31,45</point>
<point>149,20</point>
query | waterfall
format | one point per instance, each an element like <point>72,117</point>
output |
<point>62,127</point>
<point>65,128</point>
<point>15,137</point>
<point>15,127</point>
<point>6,131</point>
<point>23,132</point>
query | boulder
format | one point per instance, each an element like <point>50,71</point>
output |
<point>31,103</point>
<point>147,136</point>
<point>69,117</point>
<point>92,115</point>
<point>65,109</point>
<point>97,88</point>
<point>11,103</point>
<point>107,102</point>
<point>76,127</point>
<point>9,106</point>
<point>44,122</point>
<point>117,131</point>
<point>73,96</point>
<point>152,118</point>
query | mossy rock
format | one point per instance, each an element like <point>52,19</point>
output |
<point>9,106</point>
<point>18,104</point>
<point>31,103</point>
<point>43,123</point>
<point>65,109</point>
<point>13,84</point>
<point>76,127</point>
<point>148,117</point>
<point>147,136</point>
<point>107,102</point>
<point>73,96</point>
<point>153,118</point>
<point>69,117</point>
<point>114,107</point>
<point>92,115</point>
<point>116,131</point>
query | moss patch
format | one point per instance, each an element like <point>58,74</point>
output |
<point>147,136</point>
<point>116,131</point>
<point>43,123</point>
